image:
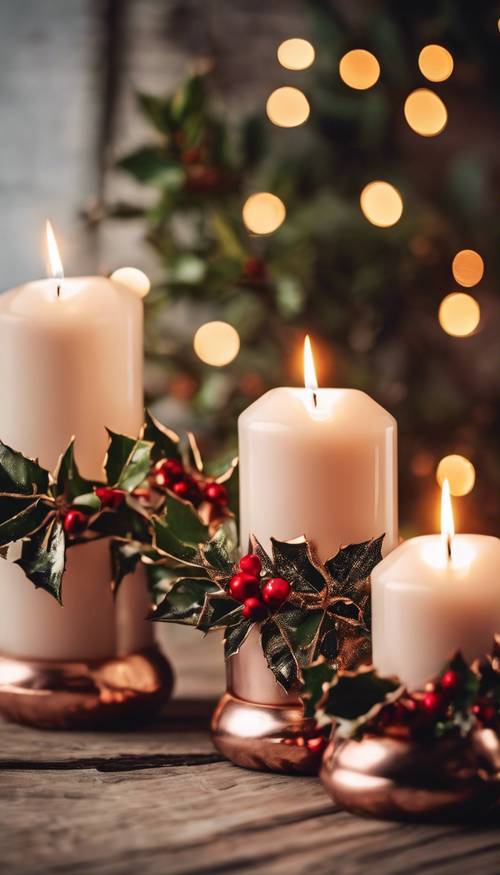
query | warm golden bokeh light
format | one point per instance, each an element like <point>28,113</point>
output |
<point>359,69</point>
<point>425,112</point>
<point>287,107</point>
<point>459,472</point>
<point>133,278</point>
<point>216,343</point>
<point>263,212</point>
<point>435,63</point>
<point>381,204</point>
<point>459,314</point>
<point>296,54</point>
<point>468,267</point>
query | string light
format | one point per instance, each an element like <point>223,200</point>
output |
<point>359,69</point>
<point>459,314</point>
<point>263,212</point>
<point>425,112</point>
<point>459,472</point>
<point>296,54</point>
<point>287,107</point>
<point>435,63</point>
<point>468,267</point>
<point>381,204</point>
<point>216,343</point>
<point>133,278</point>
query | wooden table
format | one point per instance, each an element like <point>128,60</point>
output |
<point>161,800</point>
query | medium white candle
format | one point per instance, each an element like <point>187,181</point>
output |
<point>432,596</point>
<point>70,364</point>
<point>319,462</point>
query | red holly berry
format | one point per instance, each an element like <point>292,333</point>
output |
<point>255,269</point>
<point>433,703</point>
<point>485,712</point>
<point>251,564</point>
<point>243,586</point>
<point>216,493</point>
<point>75,521</point>
<point>253,609</point>
<point>169,469</point>
<point>275,591</point>
<point>112,498</point>
<point>186,489</point>
<point>450,681</point>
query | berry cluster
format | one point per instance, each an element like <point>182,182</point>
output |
<point>258,595</point>
<point>171,474</point>
<point>75,520</point>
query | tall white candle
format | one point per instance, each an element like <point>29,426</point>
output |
<point>70,364</point>
<point>319,462</point>
<point>432,596</point>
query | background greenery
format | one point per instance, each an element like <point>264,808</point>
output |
<point>369,296</point>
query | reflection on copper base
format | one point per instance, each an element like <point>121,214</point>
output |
<point>81,695</point>
<point>277,738</point>
<point>403,780</point>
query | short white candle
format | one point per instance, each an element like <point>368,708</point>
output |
<point>70,364</point>
<point>319,462</point>
<point>432,596</point>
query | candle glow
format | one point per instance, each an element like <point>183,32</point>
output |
<point>55,263</point>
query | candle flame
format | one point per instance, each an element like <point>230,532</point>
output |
<point>56,268</point>
<point>447,521</point>
<point>310,379</point>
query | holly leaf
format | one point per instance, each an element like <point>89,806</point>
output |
<point>156,110</point>
<point>221,552</point>
<point>279,655</point>
<point>90,502</point>
<point>258,549</point>
<point>165,442</point>
<point>43,558</point>
<point>21,475</point>
<point>234,637</point>
<point>69,481</point>
<point>183,521</point>
<point>19,519</point>
<point>128,461</point>
<point>354,563</point>
<point>150,165</point>
<point>317,679</point>
<point>219,610</point>
<point>124,558</point>
<point>184,602</point>
<point>351,696</point>
<point>294,561</point>
<point>167,543</point>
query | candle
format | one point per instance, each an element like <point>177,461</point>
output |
<point>432,596</point>
<point>319,462</point>
<point>70,364</point>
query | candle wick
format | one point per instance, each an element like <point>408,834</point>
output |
<point>448,547</point>
<point>58,290</point>
<point>315,398</point>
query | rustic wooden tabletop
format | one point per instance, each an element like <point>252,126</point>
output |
<point>161,800</point>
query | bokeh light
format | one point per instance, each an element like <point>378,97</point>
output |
<point>468,267</point>
<point>216,343</point>
<point>263,212</point>
<point>133,278</point>
<point>425,112</point>
<point>287,107</point>
<point>296,54</point>
<point>435,63</point>
<point>459,472</point>
<point>381,204</point>
<point>459,314</point>
<point>359,69</point>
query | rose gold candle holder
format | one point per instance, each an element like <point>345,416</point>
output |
<point>257,725</point>
<point>396,778</point>
<point>81,695</point>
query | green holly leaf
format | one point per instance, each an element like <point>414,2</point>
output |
<point>184,601</point>
<point>257,548</point>
<point>354,563</point>
<point>219,610</point>
<point>294,561</point>
<point>151,166</point>
<point>43,558</point>
<point>21,475</point>
<point>88,502</point>
<point>20,517</point>
<point>279,655</point>
<point>124,558</point>
<point>234,637</point>
<point>167,543</point>
<point>352,696</point>
<point>156,110</point>
<point>128,461</point>
<point>69,481</point>
<point>165,442</point>
<point>183,521</point>
<point>317,679</point>
<point>221,552</point>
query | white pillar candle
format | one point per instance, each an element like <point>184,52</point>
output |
<point>70,364</point>
<point>320,463</point>
<point>432,596</point>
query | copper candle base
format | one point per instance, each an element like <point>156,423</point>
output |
<point>452,779</point>
<point>84,695</point>
<point>277,738</point>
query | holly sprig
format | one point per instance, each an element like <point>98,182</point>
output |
<point>49,512</point>
<point>305,609</point>
<point>462,697</point>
